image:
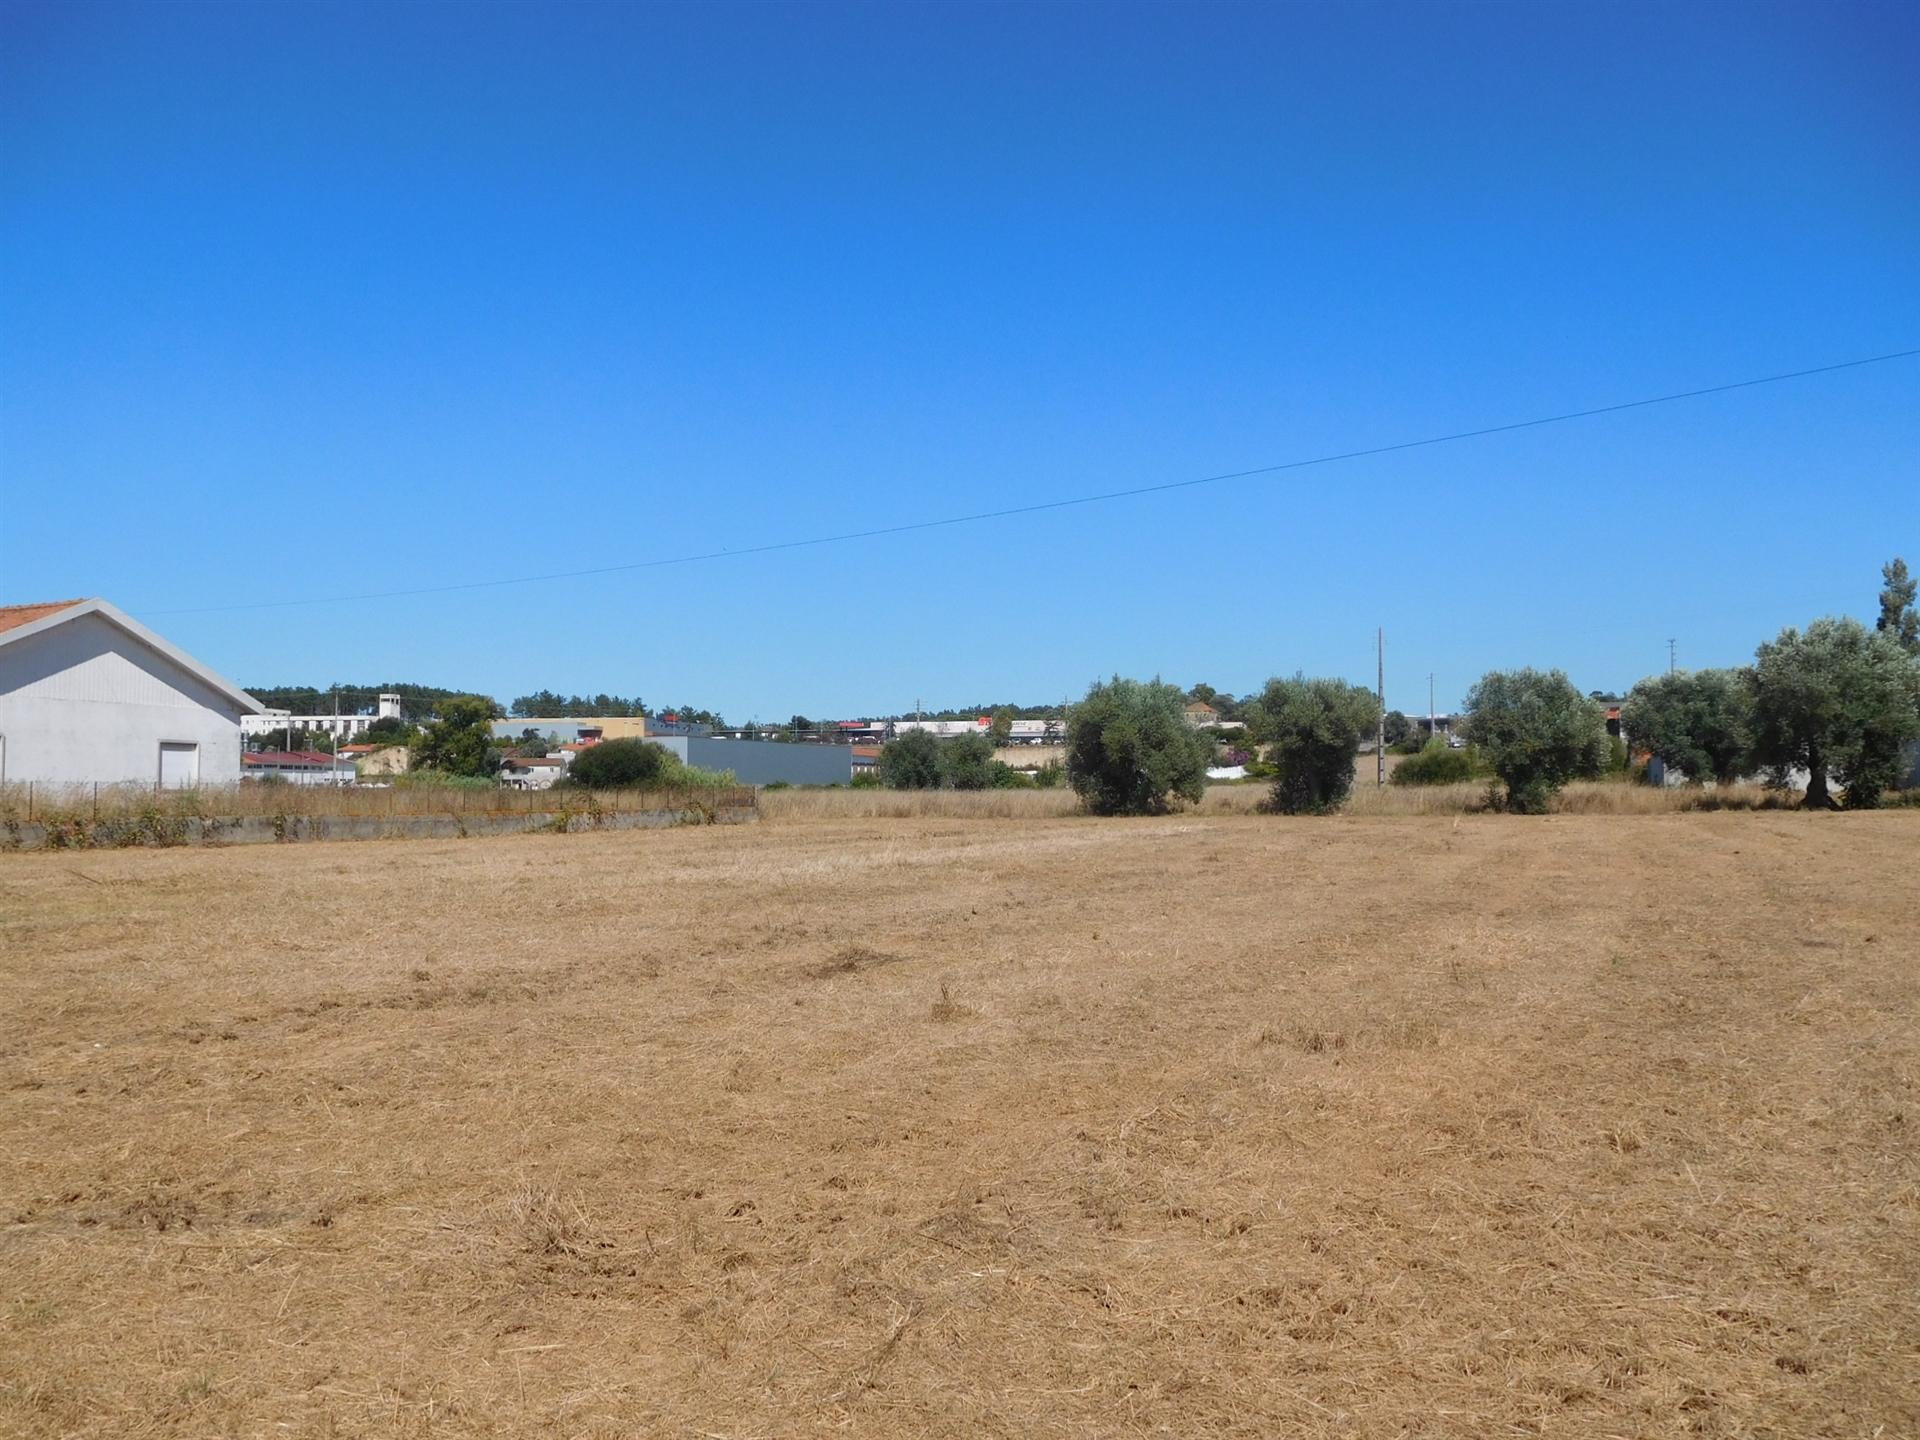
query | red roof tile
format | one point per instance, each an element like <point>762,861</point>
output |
<point>12,617</point>
<point>286,757</point>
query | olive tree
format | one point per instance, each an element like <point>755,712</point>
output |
<point>1698,722</point>
<point>1130,750</point>
<point>1314,729</point>
<point>911,762</point>
<point>1537,732</point>
<point>1837,700</point>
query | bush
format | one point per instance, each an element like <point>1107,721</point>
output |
<point>911,762</point>
<point>1002,776</point>
<point>1130,750</point>
<point>862,780</point>
<point>1050,776</point>
<point>1436,764</point>
<point>1537,732</point>
<point>966,763</point>
<point>1314,729</point>
<point>621,764</point>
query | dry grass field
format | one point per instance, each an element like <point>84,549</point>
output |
<point>1223,1125</point>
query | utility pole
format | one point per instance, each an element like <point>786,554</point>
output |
<point>1432,720</point>
<point>1670,653</point>
<point>1380,738</point>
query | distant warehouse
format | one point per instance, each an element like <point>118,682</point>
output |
<point>753,762</point>
<point>764,762</point>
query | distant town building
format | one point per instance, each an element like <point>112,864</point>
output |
<point>1038,732</point>
<point>339,727</point>
<point>589,728</point>
<point>297,767</point>
<point>522,773</point>
<point>945,729</point>
<point>1200,715</point>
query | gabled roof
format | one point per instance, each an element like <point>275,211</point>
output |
<point>18,622</point>
<point>286,758</point>
<point>14,616</point>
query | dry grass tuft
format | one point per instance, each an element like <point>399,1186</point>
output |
<point>948,1010</point>
<point>851,960</point>
<point>553,1224</point>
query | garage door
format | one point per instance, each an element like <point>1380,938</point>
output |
<point>179,765</point>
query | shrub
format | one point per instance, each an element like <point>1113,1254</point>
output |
<point>1436,764</point>
<point>1699,723</point>
<point>1839,698</point>
<point>911,762</point>
<point>1130,750</point>
<point>1050,776</point>
<point>620,764</point>
<point>1314,729</point>
<point>966,763</point>
<point>1537,732</point>
<point>862,780</point>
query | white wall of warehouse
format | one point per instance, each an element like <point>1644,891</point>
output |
<point>85,702</point>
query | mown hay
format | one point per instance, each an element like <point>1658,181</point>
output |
<point>1206,1125</point>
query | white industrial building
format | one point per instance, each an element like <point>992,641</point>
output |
<point>90,695</point>
<point>341,727</point>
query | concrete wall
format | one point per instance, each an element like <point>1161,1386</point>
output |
<point>86,702</point>
<point>764,762</point>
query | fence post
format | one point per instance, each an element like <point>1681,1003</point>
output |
<point>96,799</point>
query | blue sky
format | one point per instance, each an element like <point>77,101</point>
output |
<point>301,301</point>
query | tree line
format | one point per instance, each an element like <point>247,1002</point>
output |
<point>1837,700</point>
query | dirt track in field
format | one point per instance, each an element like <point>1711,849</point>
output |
<point>1216,1125</point>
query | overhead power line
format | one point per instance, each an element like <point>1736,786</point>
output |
<point>1039,507</point>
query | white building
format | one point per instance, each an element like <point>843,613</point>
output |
<point>1037,732</point>
<point>90,695</point>
<point>945,729</point>
<point>340,727</point>
<point>297,767</point>
<point>522,773</point>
